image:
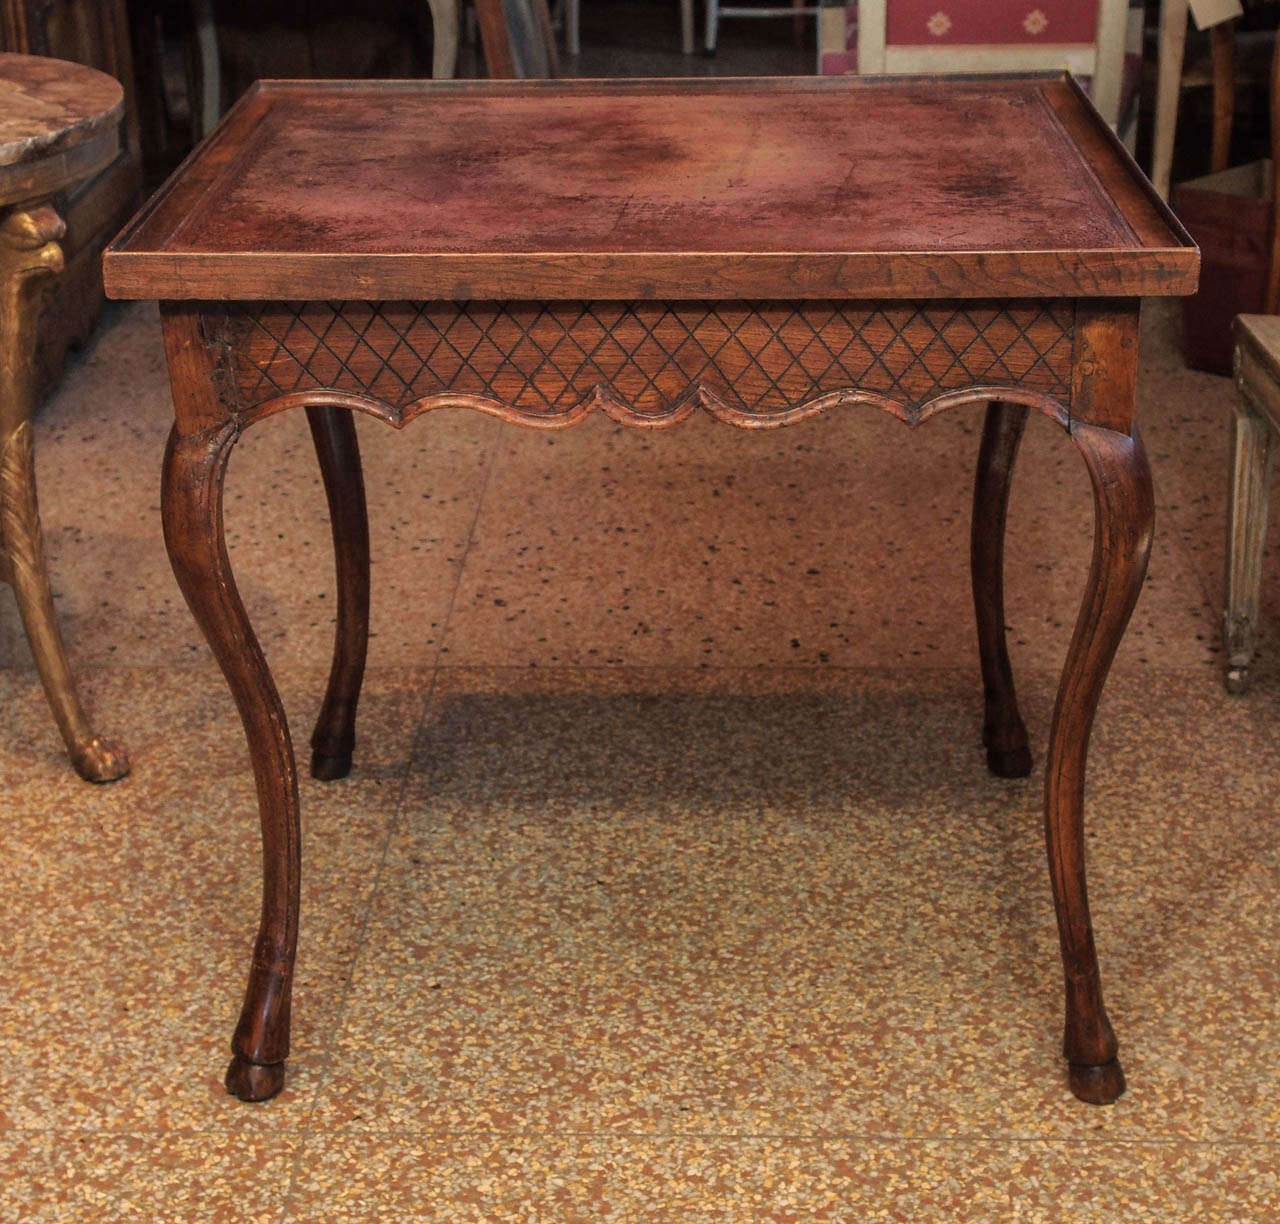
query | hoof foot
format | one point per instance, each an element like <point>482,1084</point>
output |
<point>97,761</point>
<point>1237,681</point>
<point>254,1081</point>
<point>1009,762</point>
<point>326,768</point>
<point>1097,1085</point>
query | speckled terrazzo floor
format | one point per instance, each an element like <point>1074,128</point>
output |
<point>670,884</point>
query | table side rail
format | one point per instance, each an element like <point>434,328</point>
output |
<point>549,364</point>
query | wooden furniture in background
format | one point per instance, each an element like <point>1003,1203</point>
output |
<point>94,33</point>
<point>1257,420</point>
<point>59,125</point>
<point>517,39</point>
<point>1273,276</point>
<point>1232,216</point>
<point>760,250</point>
<point>172,121</point>
<point>195,25</point>
<point>1256,363</point>
<point>1174,15</point>
<point>339,39</point>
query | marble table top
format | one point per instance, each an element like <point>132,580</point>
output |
<point>48,106</point>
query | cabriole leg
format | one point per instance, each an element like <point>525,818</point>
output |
<point>29,253</point>
<point>1247,530</point>
<point>1123,518</point>
<point>191,505</point>
<point>1003,733</point>
<point>94,759</point>
<point>333,741</point>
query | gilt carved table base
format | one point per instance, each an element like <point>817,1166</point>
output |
<point>650,365</point>
<point>29,254</point>
<point>59,125</point>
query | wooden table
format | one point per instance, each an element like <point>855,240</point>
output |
<point>59,126</point>
<point>761,250</point>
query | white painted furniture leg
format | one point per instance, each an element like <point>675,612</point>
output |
<point>1173,44</point>
<point>1108,63</point>
<point>444,38</point>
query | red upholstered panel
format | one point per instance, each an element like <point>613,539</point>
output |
<point>963,22</point>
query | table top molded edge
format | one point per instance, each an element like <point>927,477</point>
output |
<point>136,265</point>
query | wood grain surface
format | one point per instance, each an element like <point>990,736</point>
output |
<point>787,188</point>
<point>545,361</point>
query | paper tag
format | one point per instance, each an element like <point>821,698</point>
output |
<point>1206,13</point>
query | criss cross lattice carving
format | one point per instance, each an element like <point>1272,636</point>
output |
<point>547,359</point>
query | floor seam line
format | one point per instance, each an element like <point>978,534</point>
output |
<point>447,620</point>
<point>339,1015</point>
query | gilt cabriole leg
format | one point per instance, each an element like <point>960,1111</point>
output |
<point>1003,733</point>
<point>29,252</point>
<point>1123,518</point>
<point>1247,530</point>
<point>195,465</point>
<point>333,740</point>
